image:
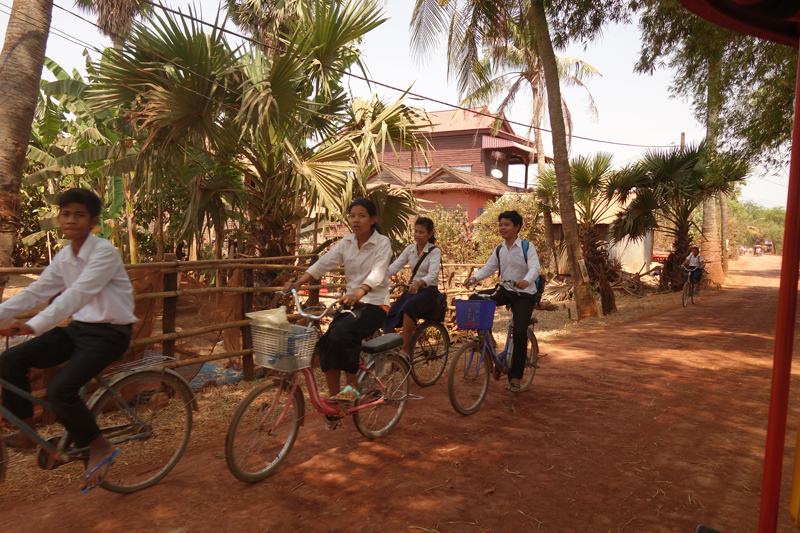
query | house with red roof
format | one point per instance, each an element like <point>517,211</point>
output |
<point>467,162</point>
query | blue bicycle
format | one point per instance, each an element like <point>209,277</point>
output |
<point>468,376</point>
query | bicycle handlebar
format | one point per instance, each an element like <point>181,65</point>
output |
<point>306,314</point>
<point>689,269</point>
<point>496,289</point>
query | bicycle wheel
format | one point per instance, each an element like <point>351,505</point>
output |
<point>468,379</point>
<point>686,289</point>
<point>258,439</point>
<point>151,425</point>
<point>3,460</point>
<point>430,346</point>
<point>378,421</point>
<point>694,294</point>
<point>531,362</point>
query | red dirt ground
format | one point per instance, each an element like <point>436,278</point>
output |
<point>655,425</point>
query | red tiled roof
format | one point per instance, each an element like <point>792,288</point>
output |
<point>464,180</point>
<point>402,175</point>
<point>458,120</point>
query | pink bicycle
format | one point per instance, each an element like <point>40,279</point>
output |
<point>266,423</point>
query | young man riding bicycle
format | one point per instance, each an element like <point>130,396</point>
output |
<point>516,259</point>
<point>98,295</point>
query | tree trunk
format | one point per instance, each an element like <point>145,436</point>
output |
<point>584,301</point>
<point>547,215</point>
<point>20,71</point>
<point>723,222</point>
<point>160,233</point>
<point>133,245</point>
<point>710,239</point>
<point>552,255</point>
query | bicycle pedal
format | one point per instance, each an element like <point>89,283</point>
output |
<point>332,422</point>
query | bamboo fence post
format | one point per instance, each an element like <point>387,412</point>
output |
<point>313,294</point>
<point>170,311</point>
<point>248,366</point>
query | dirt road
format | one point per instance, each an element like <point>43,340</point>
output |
<point>655,425</point>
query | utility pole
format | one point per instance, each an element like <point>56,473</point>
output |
<point>683,140</point>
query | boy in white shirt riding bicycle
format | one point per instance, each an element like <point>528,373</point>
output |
<point>516,260</point>
<point>98,295</point>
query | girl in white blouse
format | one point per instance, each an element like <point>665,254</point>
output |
<point>365,254</point>
<point>424,259</point>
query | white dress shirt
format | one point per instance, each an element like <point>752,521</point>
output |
<point>96,289</point>
<point>694,260</point>
<point>512,265</point>
<point>429,269</point>
<point>362,266</point>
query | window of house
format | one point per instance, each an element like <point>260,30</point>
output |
<point>480,211</point>
<point>468,168</point>
<point>421,169</point>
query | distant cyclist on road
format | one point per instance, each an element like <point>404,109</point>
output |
<point>694,260</point>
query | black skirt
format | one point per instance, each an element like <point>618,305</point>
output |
<point>340,346</point>
<point>413,305</point>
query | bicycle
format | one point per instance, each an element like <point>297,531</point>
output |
<point>144,410</point>
<point>689,287</point>
<point>468,376</point>
<point>266,423</point>
<point>429,348</point>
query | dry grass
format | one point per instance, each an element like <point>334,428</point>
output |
<point>217,404</point>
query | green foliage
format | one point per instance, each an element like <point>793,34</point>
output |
<point>751,224</point>
<point>485,235</point>
<point>453,233</point>
<point>753,87</point>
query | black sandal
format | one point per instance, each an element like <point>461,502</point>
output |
<point>514,388</point>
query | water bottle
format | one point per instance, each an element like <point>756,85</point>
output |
<point>510,353</point>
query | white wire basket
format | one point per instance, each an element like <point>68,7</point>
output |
<point>283,349</point>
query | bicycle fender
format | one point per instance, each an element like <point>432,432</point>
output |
<point>119,377</point>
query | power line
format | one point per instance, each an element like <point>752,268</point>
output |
<point>381,84</point>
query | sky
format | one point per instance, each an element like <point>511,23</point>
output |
<point>632,109</point>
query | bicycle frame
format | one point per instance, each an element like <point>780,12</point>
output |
<point>497,357</point>
<point>319,404</point>
<point>60,449</point>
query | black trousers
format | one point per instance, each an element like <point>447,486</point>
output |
<point>87,349</point>
<point>340,346</point>
<point>521,310</point>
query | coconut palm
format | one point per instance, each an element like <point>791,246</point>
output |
<point>513,68</point>
<point>21,59</point>
<point>474,25</point>
<point>663,190</point>
<point>281,120</point>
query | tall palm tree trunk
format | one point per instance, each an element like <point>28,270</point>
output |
<point>547,216</point>
<point>723,238</point>
<point>584,301</point>
<point>20,71</point>
<point>710,240</point>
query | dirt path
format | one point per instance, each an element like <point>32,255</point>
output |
<point>655,425</point>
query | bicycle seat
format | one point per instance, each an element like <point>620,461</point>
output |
<point>383,343</point>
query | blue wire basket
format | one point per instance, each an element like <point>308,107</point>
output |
<point>475,314</point>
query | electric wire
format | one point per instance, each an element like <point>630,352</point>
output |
<point>365,79</point>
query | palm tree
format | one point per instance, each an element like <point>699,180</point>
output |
<point>547,196</point>
<point>281,120</point>
<point>21,59</point>
<point>475,25</point>
<point>664,189</point>
<point>590,180</point>
<point>510,68</point>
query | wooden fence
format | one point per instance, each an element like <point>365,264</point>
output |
<point>170,293</point>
